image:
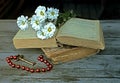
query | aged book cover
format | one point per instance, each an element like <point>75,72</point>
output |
<point>75,32</point>
<point>81,32</point>
<point>66,54</point>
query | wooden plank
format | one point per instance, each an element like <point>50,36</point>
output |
<point>112,44</point>
<point>7,33</point>
<point>97,67</point>
<point>94,63</point>
<point>64,79</point>
<point>8,25</point>
<point>110,28</point>
<point>56,75</point>
<point>101,68</point>
<point>6,45</point>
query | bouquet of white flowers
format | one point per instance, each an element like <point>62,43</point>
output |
<point>43,22</point>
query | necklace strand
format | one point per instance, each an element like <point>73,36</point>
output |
<point>40,58</point>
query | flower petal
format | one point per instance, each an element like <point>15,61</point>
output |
<point>36,22</point>
<point>41,35</point>
<point>52,13</point>
<point>22,22</point>
<point>41,12</point>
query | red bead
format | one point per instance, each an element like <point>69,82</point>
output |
<point>7,58</point>
<point>43,70</point>
<point>23,67</point>
<point>8,61</point>
<point>31,70</point>
<point>14,57</point>
<point>45,61</point>
<point>11,57</point>
<point>37,70</point>
<point>27,69</point>
<point>41,56</point>
<point>18,66</point>
<point>41,60</point>
<point>13,65</point>
<point>38,58</point>
<point>50,66</point>
<point>48,69</point>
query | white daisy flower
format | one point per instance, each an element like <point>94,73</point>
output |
<point>41,35</point>
<point>52,13</point>
<point>41,11</point>
<point>49,29</point>
<point>36,22</point>
<point>22,22</point>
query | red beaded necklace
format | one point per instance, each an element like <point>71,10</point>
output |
<point>40,58</point>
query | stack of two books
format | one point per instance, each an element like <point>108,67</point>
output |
<point>77,38</point>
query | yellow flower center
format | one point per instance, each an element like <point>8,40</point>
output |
<point>43,33</point>
<point>49,29</point>
<point>52,13</point>
<point>42,13</point>
<point>23,23</point>
<point>37,22</point>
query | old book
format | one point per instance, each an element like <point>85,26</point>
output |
<point>28,39</point>
<point>82,32</point>
<point>66,54</point>
<point>75,32</point>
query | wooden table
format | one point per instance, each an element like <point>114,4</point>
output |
<point>101,68</point>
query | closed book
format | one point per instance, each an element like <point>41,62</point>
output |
<point>66,54</point>
<point>28,39</point>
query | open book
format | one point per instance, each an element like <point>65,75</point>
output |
<point>75,32</point>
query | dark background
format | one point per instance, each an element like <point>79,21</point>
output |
<point>91,9</point>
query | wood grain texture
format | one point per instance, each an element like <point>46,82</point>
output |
<point>101,68</point>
